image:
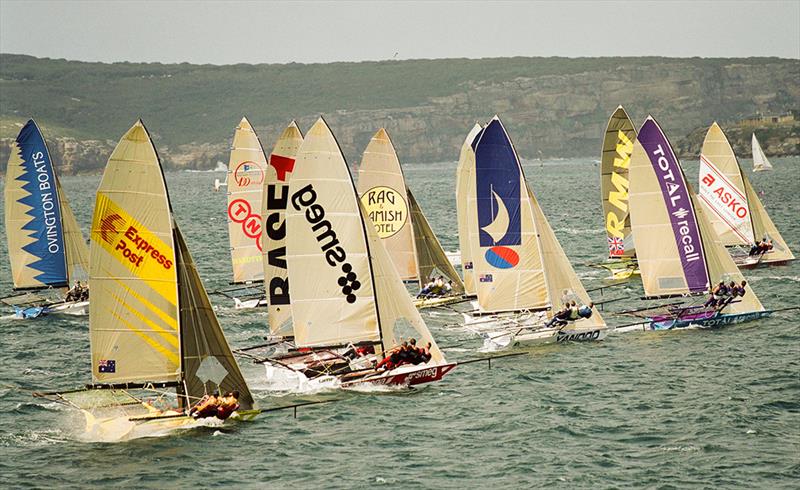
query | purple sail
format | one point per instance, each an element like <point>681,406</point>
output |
<point>675,192</point>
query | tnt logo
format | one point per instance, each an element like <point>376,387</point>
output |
<point>349,283</point>
<point>239,211</point>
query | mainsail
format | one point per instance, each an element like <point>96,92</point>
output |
<point>563,284</point>
<point>273,238</point>
<point>465,180</point>
<point>506,253</point>
<point>616,156</point>
<point>677,249</point>
<point>383,193</point>
<point>150,319</point>
<point>760,160</point>
<point>343,285</point>
<point>732,205</point>
<point>45,244</point>
<point>246,175</point>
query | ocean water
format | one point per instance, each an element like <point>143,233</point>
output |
<point>710,409</point>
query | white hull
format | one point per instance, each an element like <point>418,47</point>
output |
<point>249,303</point>
<point>76,308</point>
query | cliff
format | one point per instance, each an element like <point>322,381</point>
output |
<point>553,107</point>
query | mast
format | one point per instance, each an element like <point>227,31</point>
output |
<point>246,175</point>
<point>615,159</point>
<point>34,226</point>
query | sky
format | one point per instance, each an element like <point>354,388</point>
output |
<point>231,32</point>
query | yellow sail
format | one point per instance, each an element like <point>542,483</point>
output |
<point>617,147</point>
<point>330,279</point>
<point>76,248</point>
<point>382,189</point>
<point>764,227</point>
<point>273,234</point>
<point>246,174</point>
<point>465,180</point>
<point>133,315</point>
<point>562,282</point>
<point>431,259</point>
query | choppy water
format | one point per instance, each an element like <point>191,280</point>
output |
<point>663,410</point>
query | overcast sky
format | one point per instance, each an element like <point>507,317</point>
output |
<point>305,32</point>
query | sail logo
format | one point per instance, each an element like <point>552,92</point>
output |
<point>241,212</point>
<point>618,192</point>
<point>678,205</point>
<point>305,200</point>
<point>277,198</point>
<point>248,173</point>
<point>387,209</point>
<point>109,226</point>
<point>725,200</point>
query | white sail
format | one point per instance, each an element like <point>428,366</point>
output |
<point>465,180</point>
<point>760,160</point>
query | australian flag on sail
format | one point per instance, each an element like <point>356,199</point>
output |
<point>485,278</point>
<point>107,366</point>
<point>497,178</point>
<point>38,183</point>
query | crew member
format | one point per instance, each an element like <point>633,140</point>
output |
<point>206,407</point>
<point>228,405</point>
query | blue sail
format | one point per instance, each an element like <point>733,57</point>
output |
<point>36,213</point>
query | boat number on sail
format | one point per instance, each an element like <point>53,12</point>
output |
<point>387,209</point>
<point>724,199</point>
<point>618,196</point>
<point>678,205</point>
<point>306,198</point>
<point>240,211</point>
<point>248,173</point>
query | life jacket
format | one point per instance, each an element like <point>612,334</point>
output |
<point>224,411</point>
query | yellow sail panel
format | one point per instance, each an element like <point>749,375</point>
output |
<point>562,282</point>
<point>273,233</point>
<point>431,259</point>
<point>77,251</point>
<point>614,184</point>
<point>330,279</point>
<point>763,227</point>
<point>383,194</point>
<point>246,174</point>
<point>504,244</point>
<point>399,319</point>
<point>133,315</point>
<point>720,264</point>
<point>465,184</point>
<point>722,190</point>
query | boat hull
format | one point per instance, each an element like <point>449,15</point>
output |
<point>422,303</point>
<point>249,303</point>
<point>405,377</point>
<point>712,322</point>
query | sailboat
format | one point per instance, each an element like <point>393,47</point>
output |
<point>45,244</point>
<point>616,156</point>
<point>733,207</point>
<point>273,238</point>
<point>245,179</point>
<point>523,275</point>
<point>401,224</point>
<point>346,294</point>
<point>464,176</point>
<point>678,251</point>
<point>151,326</point>
<point>760,160</point>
